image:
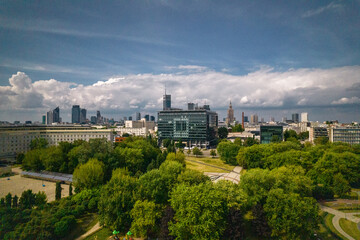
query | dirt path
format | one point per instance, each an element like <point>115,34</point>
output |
<point>95,228</point>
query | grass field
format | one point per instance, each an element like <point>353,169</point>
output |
<point>350,228</point>
<point>208,160</point>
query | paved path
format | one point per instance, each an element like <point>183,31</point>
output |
<point>91,231</point>
<point>336,219</point>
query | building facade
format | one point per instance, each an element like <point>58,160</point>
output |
<point>195,127</point>
<point>267,132</point>
<point>15,140</point>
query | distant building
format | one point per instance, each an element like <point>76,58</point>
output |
<point>195,127</point>
<point>254,119</point>
<point>295,117</point>
<point>49,117</point>
<point>230,115</point>
<point>349,135</point>
<point>267,132</point>
<point>83,115</point>
<point>137,116</point>
<point>75,114</point>
<point>316,132</point>
<point>304,117</point>
<point>166,102</point>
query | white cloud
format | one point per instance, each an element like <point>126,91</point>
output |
<point>330,6</point>
<point>345,100</point>
<point>261,88</point>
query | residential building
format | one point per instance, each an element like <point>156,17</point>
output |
<point>350,134</point>
<point>267,132</point>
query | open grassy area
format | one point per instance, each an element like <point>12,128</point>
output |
<point>331,232</point>
<point>102,234</point>
<point>208,160</point>
<point>350,228</point>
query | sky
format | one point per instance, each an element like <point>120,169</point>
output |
<point>270,58</point>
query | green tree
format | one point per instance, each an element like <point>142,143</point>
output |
<point>145,214</point>
<point>223,132</point>
<point>291,216</point>
<point>89,175</point>
<point>250,141</point>
<point>197,152</point>
<point>237,128</point>
<point>15,201</point>
<point>38,143</point>
<point>117,200</point>
<point>8,199</point>
<point>228,152</point>
<point>213,153</point>
<point>58,191</point>
<point>27,199</point>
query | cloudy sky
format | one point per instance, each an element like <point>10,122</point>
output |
<point>272,58</point>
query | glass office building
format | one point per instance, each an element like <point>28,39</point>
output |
<point>268,131</point>
<point>196,127</point>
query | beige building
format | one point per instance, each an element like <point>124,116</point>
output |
<point>15,140</point>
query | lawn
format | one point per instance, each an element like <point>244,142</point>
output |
<point>102,234</point>
<point>350,228</point>
<point>208,160</point>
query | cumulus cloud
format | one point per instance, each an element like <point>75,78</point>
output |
<point>262,88</point>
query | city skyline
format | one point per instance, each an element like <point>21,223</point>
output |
<point>270,59</point>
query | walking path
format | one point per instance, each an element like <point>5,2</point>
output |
<point>336,220</point>
<point>91,231</point>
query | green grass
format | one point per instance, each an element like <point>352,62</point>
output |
<point>102,234</point>
<point>331,232</point>
<point>350,228</point>
<point>208,160</point>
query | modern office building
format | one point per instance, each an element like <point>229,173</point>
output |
<point>304,117</point>
<point>166,102</point>
<point>17,139</point>
<point>230,115</point>
<point>267,132</point>
<point>75,114</point>
<point>295,117</point>
<point>82,115</point>
<point>56,115</point>
<point>196,127</point>
<point>349,134</point>
<point>49,117</point>
<point>316,132</point>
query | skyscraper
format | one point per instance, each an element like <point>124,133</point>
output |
<point>75,116</point>
<point>166,102</point>
<point>83,115</point>
<point>56,115</point>
<point>295,117</point>
<point>230,115</point>
<point>137,116</point>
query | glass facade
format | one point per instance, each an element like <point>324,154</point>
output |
<point>192,126</point>
<point>267,133</point>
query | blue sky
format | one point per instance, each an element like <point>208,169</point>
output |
<point>153,43</point>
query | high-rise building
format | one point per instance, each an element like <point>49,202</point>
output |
<point>49,117</point>
<point>137,116</point>
<point>56,115</point>
<point>254,119</point>
<point>75,114</point>
<point>295,117</point>
<point>304,117</point>
<point>83,115</point>
<point>166,102</point>
<point>230,115</point>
